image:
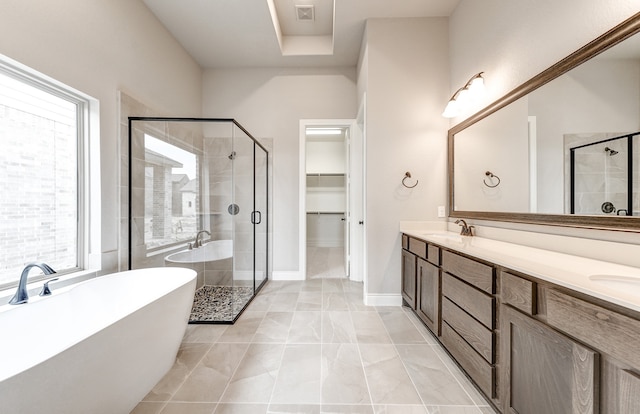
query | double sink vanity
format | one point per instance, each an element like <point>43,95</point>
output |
<point>537,331</point>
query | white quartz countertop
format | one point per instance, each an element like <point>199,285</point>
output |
<point>612,282</point>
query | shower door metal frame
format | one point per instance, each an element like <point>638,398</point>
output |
<point>572,155</point>
<point>256,289</point>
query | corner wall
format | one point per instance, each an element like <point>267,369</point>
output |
<point>404,75</point>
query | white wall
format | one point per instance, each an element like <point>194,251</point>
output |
<point>404,69</point>
<point>270,103</point>
<point>100,47</point>
<point>327,157</point>
<point>512,41</point>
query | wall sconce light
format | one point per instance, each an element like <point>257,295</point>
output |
<point>469,91</point>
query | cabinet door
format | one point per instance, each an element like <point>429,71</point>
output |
<point>620,391</point>
<point>409,278</point>
<point>628,385</point>
<point>545,371</point>
<point>428,301</point>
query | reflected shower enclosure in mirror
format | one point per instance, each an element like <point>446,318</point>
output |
<point>547,140</point>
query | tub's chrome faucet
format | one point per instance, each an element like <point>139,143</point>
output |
<point>198,242</point>
<point>21,295</point>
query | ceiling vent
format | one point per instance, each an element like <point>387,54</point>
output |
<point>305,13</point>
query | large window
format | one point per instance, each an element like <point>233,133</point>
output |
<point>171,194</point>
<point>42,129</point>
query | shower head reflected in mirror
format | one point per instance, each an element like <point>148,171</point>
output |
<point>610,151</point>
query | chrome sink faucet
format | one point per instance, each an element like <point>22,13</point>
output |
<point>198,241</point>
<point>21,295</point>
<point>465,230</point>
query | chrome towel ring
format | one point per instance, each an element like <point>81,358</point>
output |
<point>408,175</point>
<point>491,176</point>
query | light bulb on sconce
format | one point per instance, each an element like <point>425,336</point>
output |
<point>469,92</point>
<point>452,110</point>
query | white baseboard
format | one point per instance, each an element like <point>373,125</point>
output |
<point>286,275</point>
<point>382,299</point>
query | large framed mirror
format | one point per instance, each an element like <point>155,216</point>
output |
<point>561,149</point>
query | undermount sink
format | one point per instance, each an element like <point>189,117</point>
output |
<point>617,281</point>
<point>444,236</point>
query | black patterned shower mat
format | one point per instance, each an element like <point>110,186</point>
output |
<point>219,303</point>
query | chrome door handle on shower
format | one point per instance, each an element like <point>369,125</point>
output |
<point>253,217</point>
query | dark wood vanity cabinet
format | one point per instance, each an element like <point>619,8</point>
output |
<point>428,301</point>
<point>529,345</point>
<point>409,281</point>
<point>565,352</point>
<point>615,333</point>
<point>468,317</point>
<point>546,371</point>
<point>421,280</point>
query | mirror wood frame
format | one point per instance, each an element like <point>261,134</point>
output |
<point>614,36</point>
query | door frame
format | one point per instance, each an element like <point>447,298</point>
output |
<point>349,124</point>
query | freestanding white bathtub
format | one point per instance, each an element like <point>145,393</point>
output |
<point>98,347</point>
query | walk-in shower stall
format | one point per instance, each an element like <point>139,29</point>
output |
<point>199,198</point>
<point>605,176</point>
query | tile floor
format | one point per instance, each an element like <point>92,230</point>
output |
<point>313,347</point>
<point>325,262</point>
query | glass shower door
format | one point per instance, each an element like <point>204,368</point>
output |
<point>260,215</point>
<point>241,211</point>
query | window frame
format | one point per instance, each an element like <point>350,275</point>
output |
<point>88,173</point>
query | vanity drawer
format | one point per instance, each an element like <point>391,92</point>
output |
<point>608,331</point>
<point>473,301</point>
<point>518,292</point>
<point>475,366</point>
<point>473,332</point>
<point>405,242</point>
<point>418,247</point>
<point>475,273</point>
<point>433,254</point>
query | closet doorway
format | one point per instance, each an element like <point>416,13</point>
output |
<point>325,198</point>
